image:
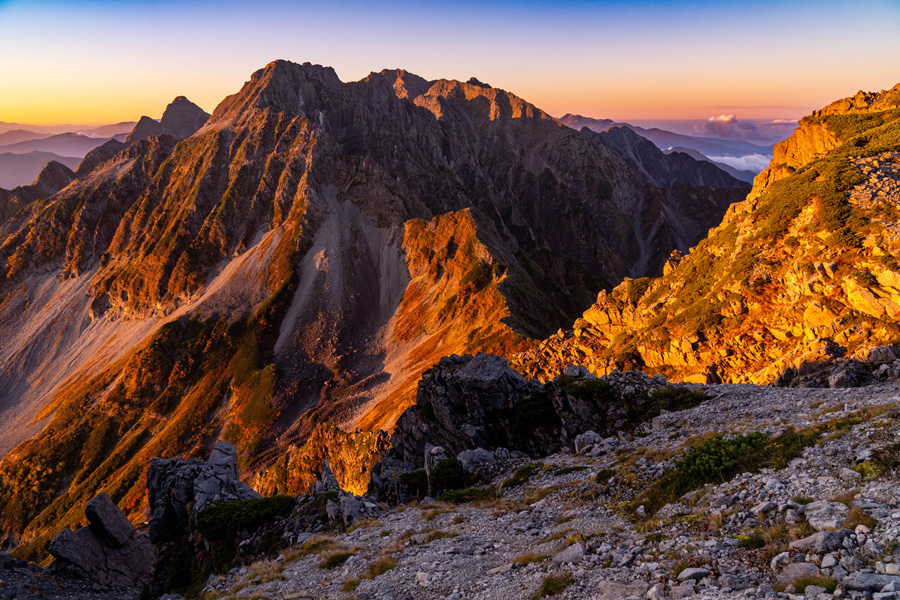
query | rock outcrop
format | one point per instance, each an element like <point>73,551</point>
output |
<point>179,489</point>
<point>109,551</point>
<point>469,406</point>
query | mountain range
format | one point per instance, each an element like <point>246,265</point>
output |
<point>698,147</point>
<point>284,270</point>
<point>24,152</point>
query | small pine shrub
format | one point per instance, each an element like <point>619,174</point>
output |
<point>554,585</point>
<point>522,475</point>
<point>447,475</point>
<point>469,495</point>
<point>416,482</point>
<point>224,520</point>
<point>334,560</point>
<point>716,460</point>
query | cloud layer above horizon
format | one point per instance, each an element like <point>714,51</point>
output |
<point>729,127</point>
<point>113,60</point>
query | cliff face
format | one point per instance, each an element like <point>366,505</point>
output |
<point>299,259</point>
<point>824,130</point>
<point>802,271</point>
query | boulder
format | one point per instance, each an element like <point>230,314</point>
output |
<point>824,515</point>
<point>472,460</point>
<point>351,509</point>
<point>574,554</point>
<point>327,481</point>
<point>578,371</point>
<point>868,582</point>
<point>107,521</point>
<point>795,571</point>
<point>109,551</point>
<point>882,355</point>
<point>586,440</point>
<point>821,542</point>
<point>693,574</point>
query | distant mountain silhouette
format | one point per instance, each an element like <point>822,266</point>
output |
<point>63,144</point>
<point>22,169</point>
<point>668,139</point>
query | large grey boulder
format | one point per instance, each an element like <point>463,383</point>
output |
<point>472,460</point>
<point>109,551</point>
<point>821,542</point>
<point>868,582</point>
<point>796,571</point>
<point>109,523</point>
<point>571,555</point>
<point>824,515</point>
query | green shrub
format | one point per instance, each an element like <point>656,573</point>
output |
<point>416,482</point>
<point>447,475</point>
<point>334,560</point>
<point>553,585</point>
<point>887,458</point>
<point>716,460</point>
<point>469,495</point>
<point>224,520</point>
<point>801,583</point>
<point>522,475</point>
<point>864,278</point>
<point>567,470</point>
<point>751,541</point>
<point>588,390</point>
<point>532,413</point>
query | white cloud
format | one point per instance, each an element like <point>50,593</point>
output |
<point>748,162</point>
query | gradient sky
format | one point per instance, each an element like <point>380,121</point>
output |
<point>102,61</point>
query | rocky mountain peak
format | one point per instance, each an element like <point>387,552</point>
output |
<point>54,177</point>
<point>824,130</point>
<point>294,89</point>
<point>181,119</point>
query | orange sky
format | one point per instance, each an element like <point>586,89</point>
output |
<point>103,61</point>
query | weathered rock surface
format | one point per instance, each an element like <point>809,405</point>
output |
<point>179,489</point>
<point>109,551</point>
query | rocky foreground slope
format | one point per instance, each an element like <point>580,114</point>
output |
<point>291,264</point>
<point>716,491</point>
<point>802,273</point>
